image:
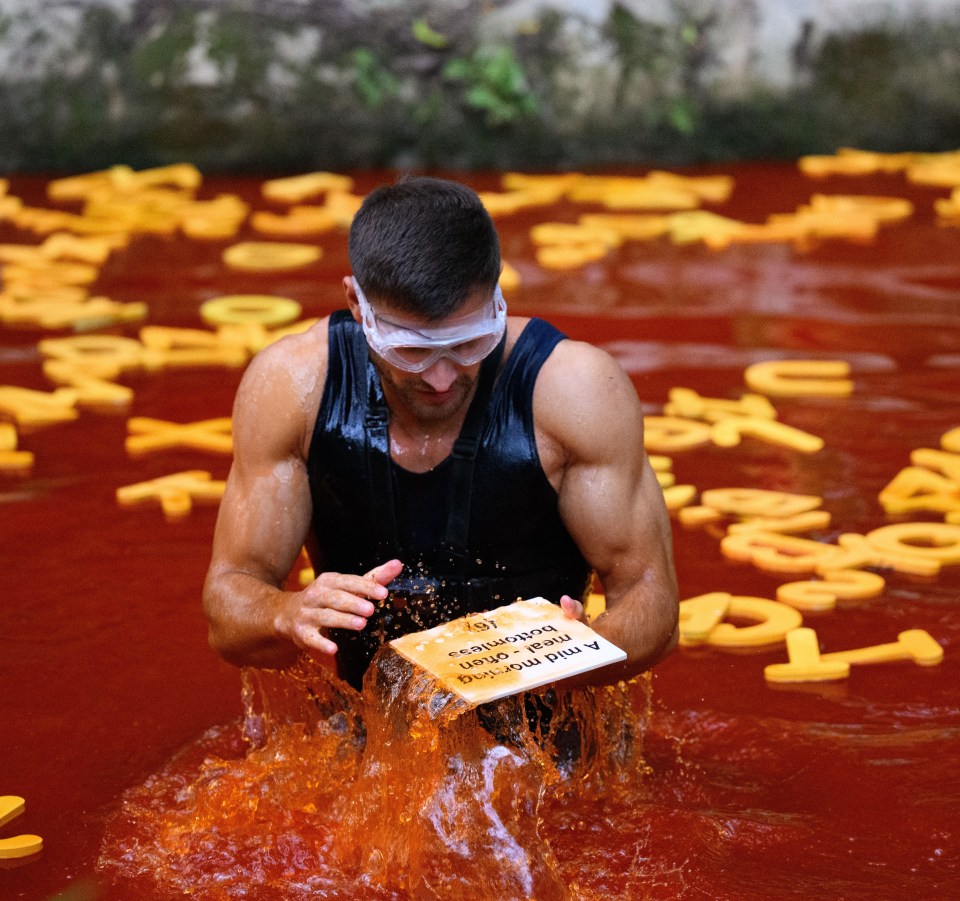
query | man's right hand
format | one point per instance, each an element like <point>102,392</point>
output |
<point>333,601</point>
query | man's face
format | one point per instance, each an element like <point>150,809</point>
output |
<point>430,367</point>
<point>435,394</point>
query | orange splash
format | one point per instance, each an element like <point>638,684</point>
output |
<point>403,792</point>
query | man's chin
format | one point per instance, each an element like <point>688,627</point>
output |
<point>432,405</point>
<point>422,400</point>
<point>440,398</point>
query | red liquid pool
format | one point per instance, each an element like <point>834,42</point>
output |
<point>746,790</point>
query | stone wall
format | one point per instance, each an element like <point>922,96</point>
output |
<point>761,37</point>
<point>280,85</point>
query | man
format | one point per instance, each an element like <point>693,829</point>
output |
<point>436,457</point>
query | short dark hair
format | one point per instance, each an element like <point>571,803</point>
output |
<point>423,245</point>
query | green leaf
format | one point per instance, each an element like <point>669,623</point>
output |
<point>374,83</point>
<point>363,58</point>
<point>457,69</point>
<point>481,97</point>
<point>426,35</point>
<point>683,116</point>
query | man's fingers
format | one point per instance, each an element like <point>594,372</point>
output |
<point>342,600</point>
<point>311,638</point>
<point>339,601</point>
<point>386,572</point>
<point>328,618</point>
<point>309,631</point>
<point>572,608</point>
<point>344,584</point>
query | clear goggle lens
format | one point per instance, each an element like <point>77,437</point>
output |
<point>466,341</point>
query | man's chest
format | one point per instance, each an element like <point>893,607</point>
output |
<point>420,453</point>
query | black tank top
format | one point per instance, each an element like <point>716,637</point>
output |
<point>367,509</point>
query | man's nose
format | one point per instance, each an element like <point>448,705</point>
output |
<point>441,375</point>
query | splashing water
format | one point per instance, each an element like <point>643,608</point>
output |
<point>405,791</point>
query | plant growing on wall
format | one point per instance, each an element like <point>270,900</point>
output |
<point>277,85</point>
<point>494,83</point>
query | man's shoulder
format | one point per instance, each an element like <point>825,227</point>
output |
<point>280,394</point>
<point>291,370</point>
<point>581,367</point>
<point>294,350</point>
<point>583,390</point>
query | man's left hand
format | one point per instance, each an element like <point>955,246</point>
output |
<point>573,609</point>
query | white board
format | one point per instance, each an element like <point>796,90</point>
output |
<point>527,644</point>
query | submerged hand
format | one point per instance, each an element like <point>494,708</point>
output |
<point>333,601</point>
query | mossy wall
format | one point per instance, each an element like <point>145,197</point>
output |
<point>292,85</point>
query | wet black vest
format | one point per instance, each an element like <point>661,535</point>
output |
<point>367,509</point>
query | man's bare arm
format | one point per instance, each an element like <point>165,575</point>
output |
<point>265,517</point>
<point>611,502</point>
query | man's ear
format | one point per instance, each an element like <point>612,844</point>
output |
<point>352,303</point>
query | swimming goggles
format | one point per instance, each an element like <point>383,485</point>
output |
<point>466,341</point>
